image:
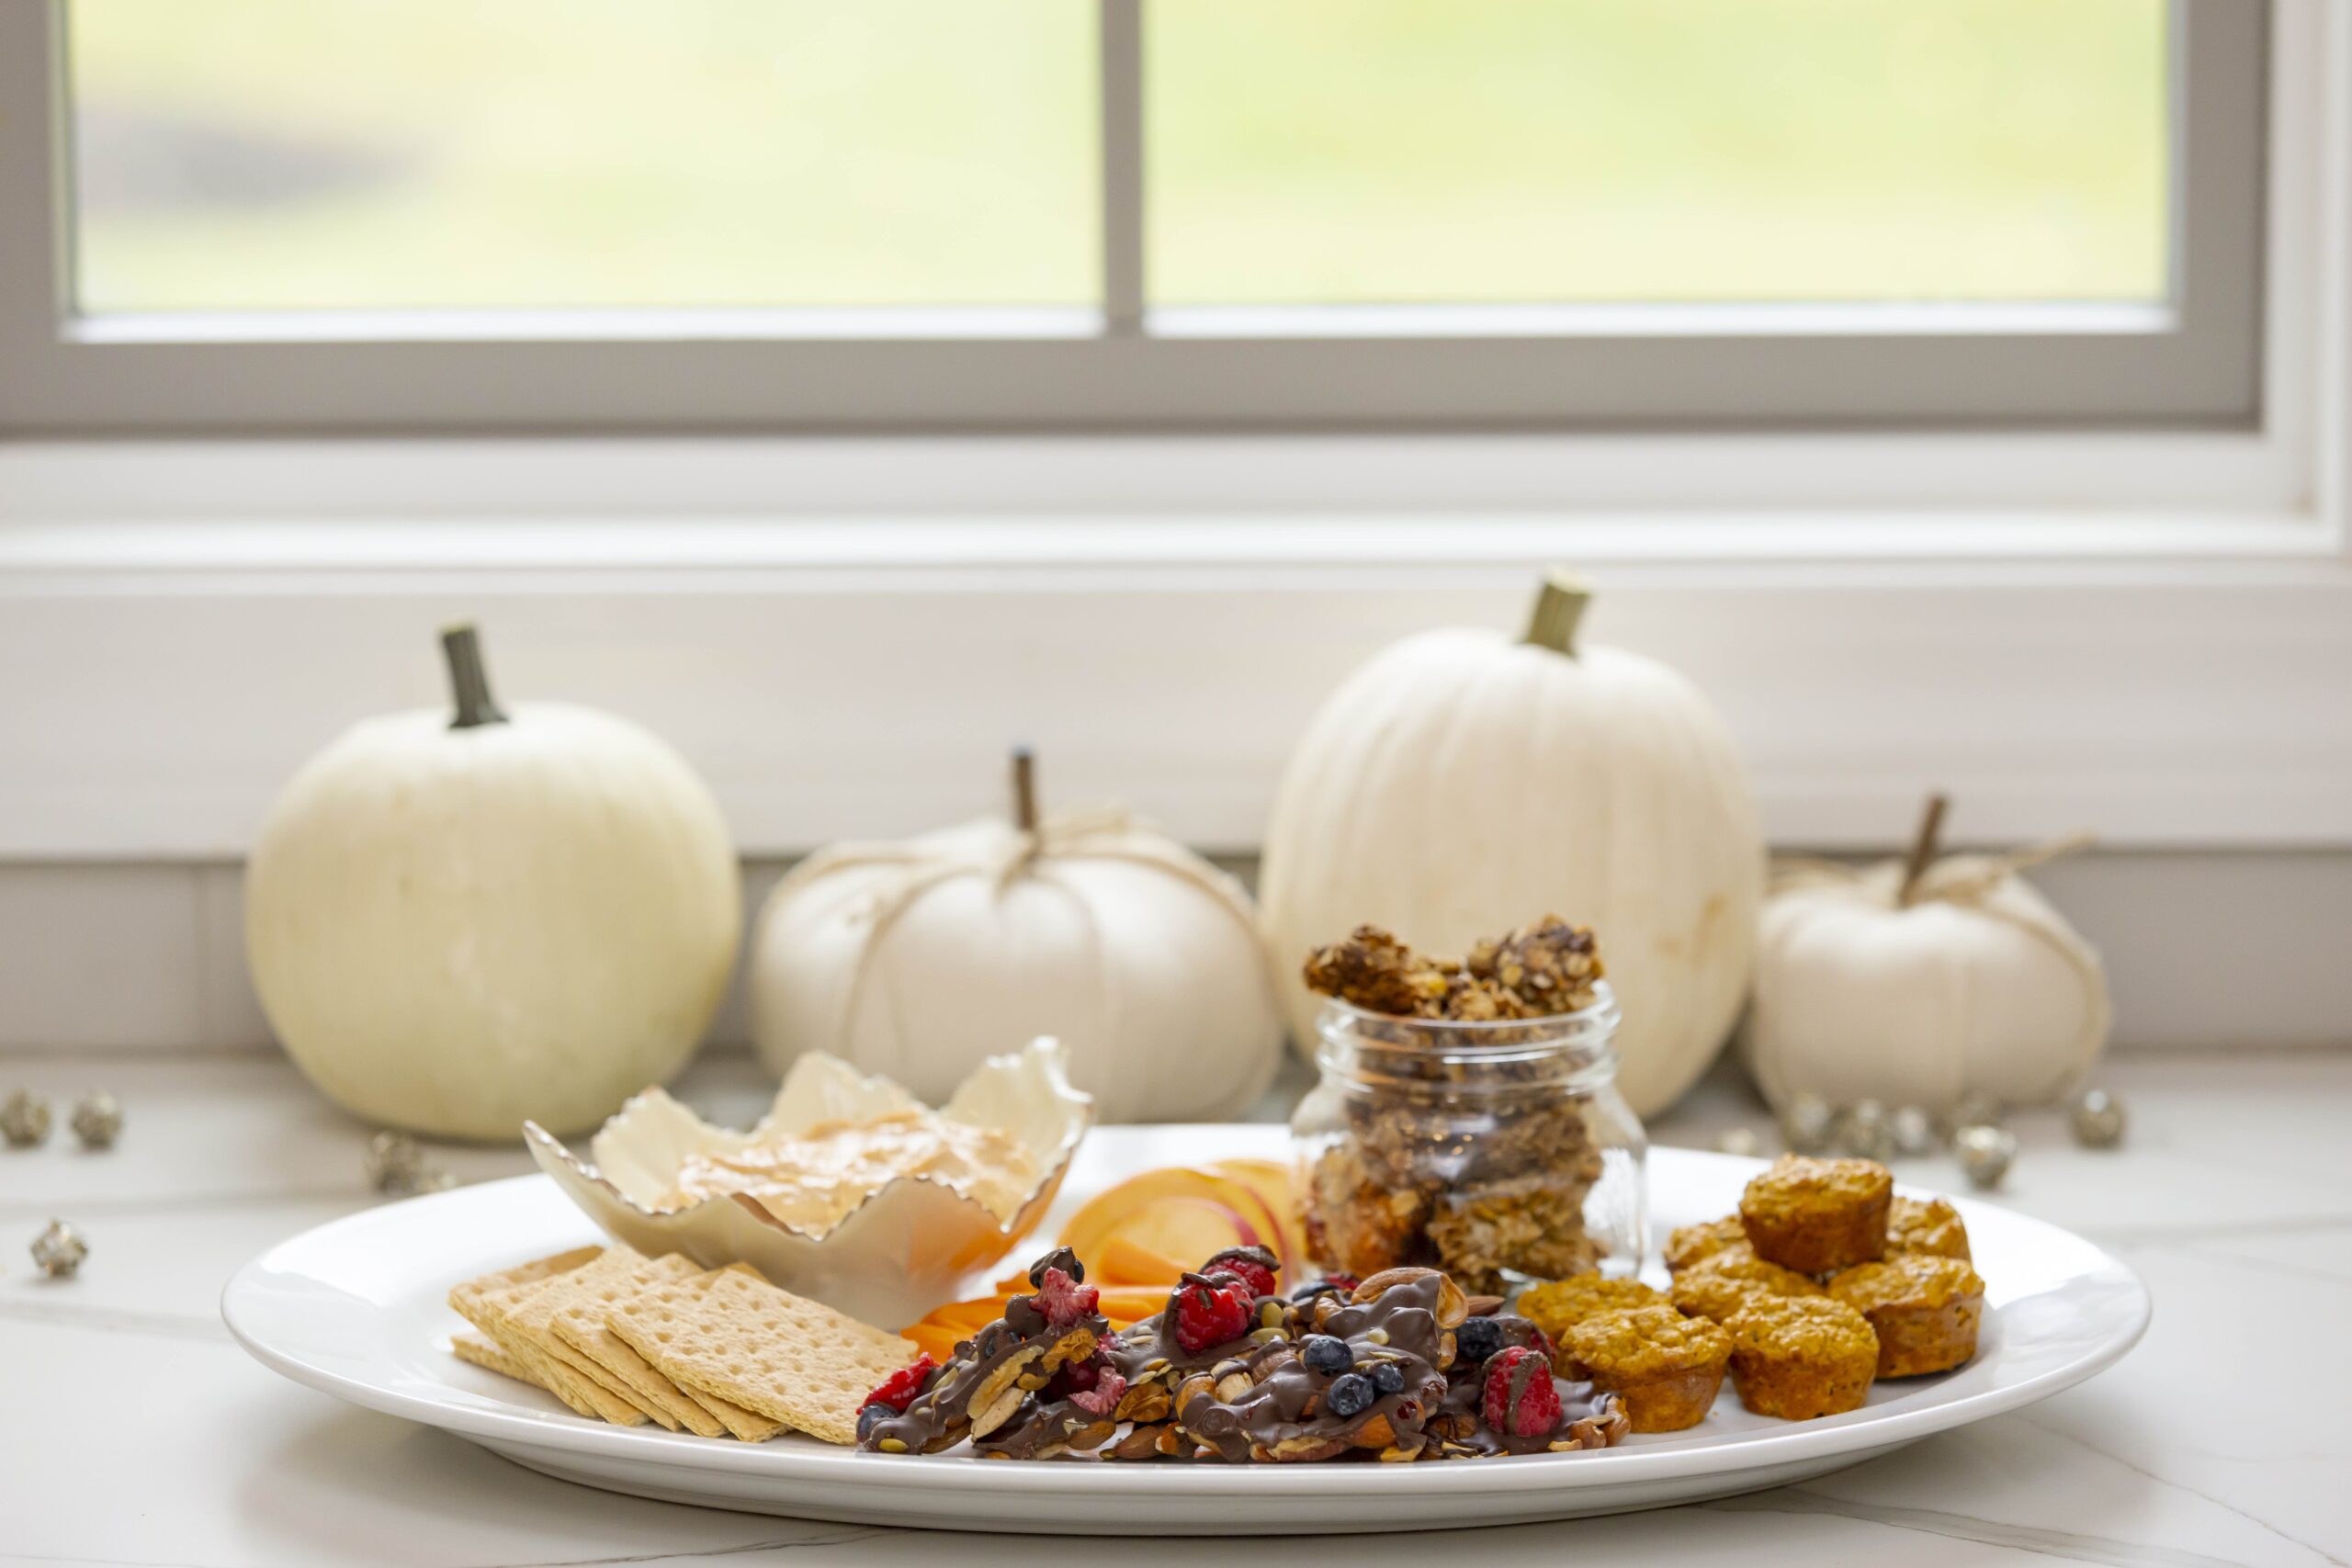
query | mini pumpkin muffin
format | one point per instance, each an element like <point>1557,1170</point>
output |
<point>1800,1357</point>
<point>1666,1367</point>
<point>1925,1309</point>
<point>1695,1244</point>
<point>1718,1286</point>
<point>1930,1227</point>
<point>1817,1217</point>
<point>1562,1304</point>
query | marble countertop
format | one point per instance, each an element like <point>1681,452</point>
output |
<point>134,1432</point>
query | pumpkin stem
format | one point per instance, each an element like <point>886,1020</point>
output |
<point>468,678</point>
<point>1558,607</point>
<point>1923,849</point>
<point>1024,789</point>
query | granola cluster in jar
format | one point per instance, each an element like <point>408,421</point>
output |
<point>1453,1128</point>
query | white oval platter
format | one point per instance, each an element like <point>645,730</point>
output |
<point>357,1309</point>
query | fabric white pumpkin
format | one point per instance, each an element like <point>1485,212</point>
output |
<point>1975,984</point>
<point>919,959</point>
<point>1461,783</point>
<point>456,927</point>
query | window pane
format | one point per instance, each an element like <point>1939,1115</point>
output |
<point>1329,151</point>
<point>254,154</point>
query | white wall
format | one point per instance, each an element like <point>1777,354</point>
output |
<point>2202,948</point>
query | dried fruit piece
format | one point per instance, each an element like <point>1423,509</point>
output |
<point>1062,1300</point>
<point>1209,1314</point>
<point>1253,1266</point>
<point>898,1390</point>
<point>1521,1401</point>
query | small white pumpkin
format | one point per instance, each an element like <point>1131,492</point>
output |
<point>454,927</point>
<point>1461,783</point>
<point>920,960</point>
<point>1918,982</point>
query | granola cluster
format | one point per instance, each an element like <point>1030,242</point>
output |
<point>1459,1149</point>
<point>1535,972</point>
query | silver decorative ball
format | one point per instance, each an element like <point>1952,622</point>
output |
<point>2099,1119</point>
<point>98,1120</point>
<point>398,1168</point>
<point>1974,1108</point>
<point>59,1250</point>
<point>23,1120</point>
<point>1740,1140</point>
<point>1986,1152</point>
<point>1807,1122</point>
<point>1915,1132</point>
<point>1865,1132</point>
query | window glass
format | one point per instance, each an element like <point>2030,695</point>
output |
<point>258,154</point>
<point>1352,151</point>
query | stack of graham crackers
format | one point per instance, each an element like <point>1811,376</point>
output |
<point>720,1352</point>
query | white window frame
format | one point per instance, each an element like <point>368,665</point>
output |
<point>2145,631</point>
<point>2193,359</point>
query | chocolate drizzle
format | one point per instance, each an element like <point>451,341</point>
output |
<point>1285,1413</point>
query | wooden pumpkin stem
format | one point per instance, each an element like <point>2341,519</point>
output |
<point>1923,849</point>
<point>1558,607</point>
<point>468,679</point>
<point>1024,789</point>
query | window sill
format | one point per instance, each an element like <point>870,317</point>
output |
<point>2169,680</point>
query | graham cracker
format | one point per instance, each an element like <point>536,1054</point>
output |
<point>573,1307</point>
<point>489,1304</point>
<point>530,1311</point>
<point>489,1355</point>
<point>732,1334</point>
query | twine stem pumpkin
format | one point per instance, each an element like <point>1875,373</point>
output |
<point>1923,980</point>
<point>919,959</point>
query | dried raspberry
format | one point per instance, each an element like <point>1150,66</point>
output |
<point>1208,1314</point>
<point>1062,1300</point>
<point>899,1389</point>
<point>1345,1283</point>
<point>1093,1385</point>
<point>1521,1399</point>
<point>1253,1266</point>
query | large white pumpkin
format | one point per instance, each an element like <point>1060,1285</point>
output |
<point>919,959</point>
<point>454,927</point>
<point>1461,783</point>
<point>1970,982</point>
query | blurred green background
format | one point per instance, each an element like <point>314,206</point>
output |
<point>357,153</point>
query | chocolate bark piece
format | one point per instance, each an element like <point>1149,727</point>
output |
<point>984,1384</point>
<point>1269,1404</point>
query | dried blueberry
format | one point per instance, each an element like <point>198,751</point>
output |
<point>1388,1377</point>
<point>1478,1338</point>
<point>1350,1396</point>
<point>1325,1354</point>
<point>873,1415</point>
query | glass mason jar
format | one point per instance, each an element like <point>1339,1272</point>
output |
<point>1500,1152</point>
